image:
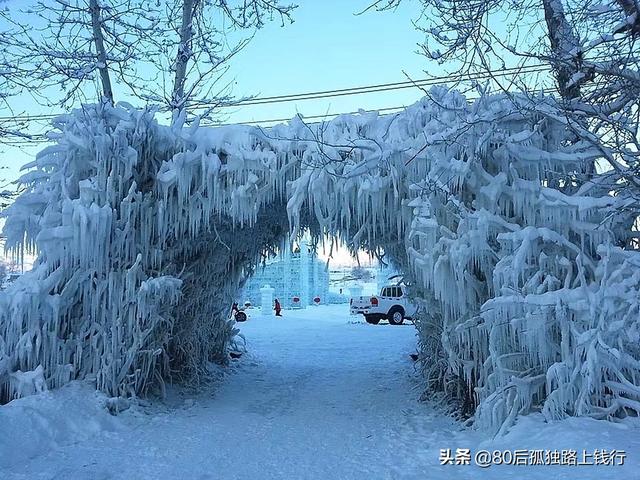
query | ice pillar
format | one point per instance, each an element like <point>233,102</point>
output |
<point>266,300</point>
<point>305,291</point>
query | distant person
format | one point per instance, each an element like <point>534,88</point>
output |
<point>277,308</point>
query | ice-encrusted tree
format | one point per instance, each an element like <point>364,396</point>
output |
<point>136,266</point>
<point>589,48</point>
<point>527,294</point>
<point>104,304</point>
<point>532,303</point>
<point>486,355</point>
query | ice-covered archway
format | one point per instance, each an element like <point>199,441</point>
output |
<point>142,231</point>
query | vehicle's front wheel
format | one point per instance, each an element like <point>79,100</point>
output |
<point>396,316</point>
<point>241,317</point>
<point>372,319</point>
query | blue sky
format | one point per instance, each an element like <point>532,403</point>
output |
<point>327,47</point>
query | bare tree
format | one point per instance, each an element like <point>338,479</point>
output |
<point>590,47</point>
<point>200,55</point>
<point>167,52</point>
<point>184,51</point>
<point>69,44</point>
<point>101,53</point>
<point>12,83</point>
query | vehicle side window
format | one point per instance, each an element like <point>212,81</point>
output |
<point>397,292</point>
<point>385,292</point>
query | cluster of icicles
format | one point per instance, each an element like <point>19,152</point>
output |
<point>142,233</point>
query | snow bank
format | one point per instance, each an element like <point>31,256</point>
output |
<point>36,424</point>
<point>578,433</point>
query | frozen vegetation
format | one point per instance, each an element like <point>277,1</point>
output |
<point>513,243</point>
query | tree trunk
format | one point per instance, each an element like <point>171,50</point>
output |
<point>566,60</point>
<point>101,54</point>
<point>630,8</point>
<point>565,49</point>
<point>184,53</point>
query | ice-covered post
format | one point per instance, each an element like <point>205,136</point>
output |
<point>266,300</point>
<point>305,261</point>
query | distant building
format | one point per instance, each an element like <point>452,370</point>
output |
<point>297,275</point>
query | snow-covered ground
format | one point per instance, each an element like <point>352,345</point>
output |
<point>320,395</point>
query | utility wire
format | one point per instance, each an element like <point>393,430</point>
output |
<point>386,111</point>
<point>382,87</point>
<point>388,86</point>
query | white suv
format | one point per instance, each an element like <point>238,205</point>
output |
<point>392,304</point>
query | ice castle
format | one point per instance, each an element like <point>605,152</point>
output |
<point>299,279</point>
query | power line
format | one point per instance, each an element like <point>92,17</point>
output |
<point>309,117</point>
<point>389,86</point>
<point>360,90</point>
<point>386,110</point>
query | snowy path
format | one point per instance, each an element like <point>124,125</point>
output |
<point>316,398</point>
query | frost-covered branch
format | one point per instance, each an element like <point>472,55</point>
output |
<point>590,48</point>
<point>170,53</point>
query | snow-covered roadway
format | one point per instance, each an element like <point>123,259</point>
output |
<point>320,395</point>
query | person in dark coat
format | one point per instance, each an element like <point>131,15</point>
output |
<point>278,308</point>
